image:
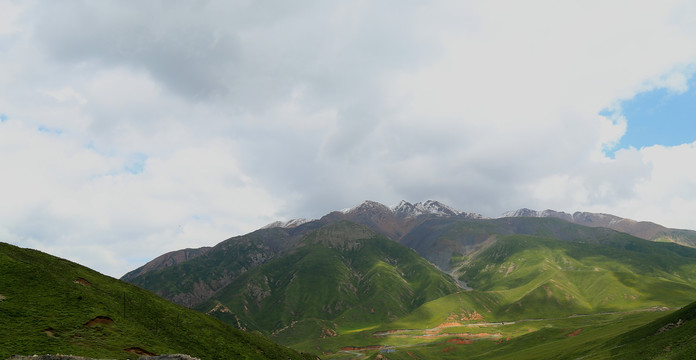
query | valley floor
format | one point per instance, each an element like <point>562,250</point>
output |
<point>572,337</point>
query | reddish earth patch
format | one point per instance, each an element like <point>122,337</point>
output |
<point>100,320</point>
<point>448,349</point>
<point>82,282</point>
<point>575,333</point>
<point>448,324</point>
<point>139,351</point>
<point>460,341</point>
<point>326,332</point>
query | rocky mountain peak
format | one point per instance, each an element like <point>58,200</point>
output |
<point>407,210</point>
<point>367,206</point>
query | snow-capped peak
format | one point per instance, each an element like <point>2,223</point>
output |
<point>524,212</point>
<point>408,210</point>
<point>286,224</point>
<point>365,205</point>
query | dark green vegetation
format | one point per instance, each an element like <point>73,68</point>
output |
<point>51,305</point>
<point>191,282</point>
<point>340,277</point>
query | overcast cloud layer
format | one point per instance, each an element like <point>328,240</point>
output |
<point>132,128</point>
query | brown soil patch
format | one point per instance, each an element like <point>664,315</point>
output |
<point>99,320</point>
<point>50,332</point>
<point>575,333</point>
<point>448,324</point>
<point>326,332</point>
<point>82,282</point>
<point>2,297</point>
<point>460,341</point>
<point>139,351</point>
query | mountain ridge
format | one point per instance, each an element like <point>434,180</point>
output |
<point>643,229</point>
<point>396,222</point>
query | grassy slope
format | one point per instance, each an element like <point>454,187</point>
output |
<point>640,335</point>
<point>523,277</point>
<point>529,278</point>
<point>44,310</point>
<point>344,277</point>
<point>191,282</point>
<point>438,240</point>
<point>569,277</point>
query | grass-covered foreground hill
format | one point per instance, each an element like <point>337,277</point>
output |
<point>51,305</point>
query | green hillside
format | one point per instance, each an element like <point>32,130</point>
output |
<point>444,240</point>
<point>191,282</point>
<point>560,277</point>
<point>536,296</point>
<point>669,337</point>
<point>342,276</point>
<point>51,305</point>
<point>629,335</point>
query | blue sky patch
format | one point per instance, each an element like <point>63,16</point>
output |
<point>201,217</point>
<point>3,118</point>
<point>659,117</point>
<point>135,163</point>
<point>49,130</point>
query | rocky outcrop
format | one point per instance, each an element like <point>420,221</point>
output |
<point>166,260</point>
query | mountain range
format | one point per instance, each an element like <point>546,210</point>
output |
<point>328,285</point>
<point>396,221</point>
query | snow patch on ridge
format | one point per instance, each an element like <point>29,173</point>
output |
<point>287,224</point>
<point>430,207</point>
<point>406,210</point>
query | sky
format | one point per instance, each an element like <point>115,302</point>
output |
<point>133,128</point>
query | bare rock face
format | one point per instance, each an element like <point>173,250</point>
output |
<point>396,221</point>
<point>166,260</point>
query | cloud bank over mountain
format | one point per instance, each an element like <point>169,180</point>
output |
<point>130,129</point>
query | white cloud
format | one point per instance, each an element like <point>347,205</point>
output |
<point>172,126</point>
<point>67,94</point>
<point>8,17</point>
<point>66,198</point>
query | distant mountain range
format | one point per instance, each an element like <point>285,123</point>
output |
<point>642,229</point>
<point>313,283</point>
<point>397,221</point>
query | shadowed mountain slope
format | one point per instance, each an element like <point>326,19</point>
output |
<point>340,276</point>
<point>643,229</point>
